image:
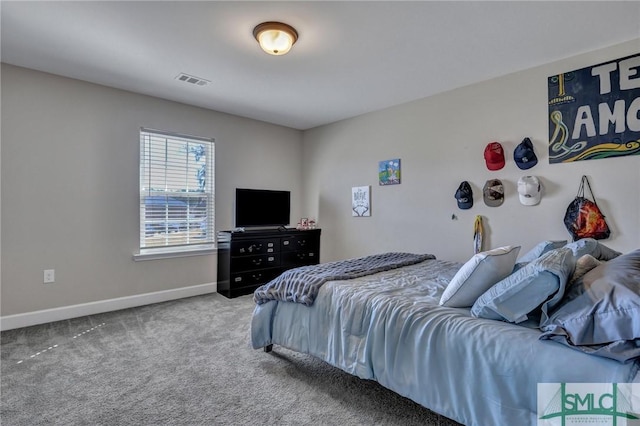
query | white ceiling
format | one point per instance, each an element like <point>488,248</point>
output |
<point>351,57</point>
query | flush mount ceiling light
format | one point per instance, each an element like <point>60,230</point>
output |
<point>275,38</point>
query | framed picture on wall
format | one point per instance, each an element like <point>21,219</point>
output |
<point>360,201</point>
<point>389,172</point>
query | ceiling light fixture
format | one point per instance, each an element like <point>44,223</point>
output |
<point>275,38</point>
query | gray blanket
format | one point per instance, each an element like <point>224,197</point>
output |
<point>301,285</point>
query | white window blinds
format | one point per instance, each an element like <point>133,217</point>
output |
<point>176,190</point>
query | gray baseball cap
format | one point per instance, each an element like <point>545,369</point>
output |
<point>493,193</point>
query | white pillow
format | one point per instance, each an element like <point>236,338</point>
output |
<point>476,276</point>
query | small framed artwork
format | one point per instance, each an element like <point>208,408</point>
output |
<point>360,201</point>
<point>304,222</point>
<point>389,172</point>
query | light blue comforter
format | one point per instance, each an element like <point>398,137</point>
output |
<point>389,327</point>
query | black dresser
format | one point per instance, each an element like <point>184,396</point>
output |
<point>248,259</point>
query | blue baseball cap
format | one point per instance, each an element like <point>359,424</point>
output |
<point>524,156</point>
<point>464,196</point>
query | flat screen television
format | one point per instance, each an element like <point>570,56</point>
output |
<point>262,207</point>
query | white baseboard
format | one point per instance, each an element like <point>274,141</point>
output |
<point>10,322</point>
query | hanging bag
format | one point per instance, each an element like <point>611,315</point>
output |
<point>583,218</point>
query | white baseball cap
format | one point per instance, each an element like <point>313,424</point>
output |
<point>529,190</point>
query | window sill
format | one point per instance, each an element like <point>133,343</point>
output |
<point>167,253</point>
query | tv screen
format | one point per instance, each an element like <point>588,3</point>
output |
<point>262,207</point>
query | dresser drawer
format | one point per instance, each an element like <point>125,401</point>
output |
<point>257,246</point>
<point>304,241</point>
<point>250,263</point>
<point>299,258</point>
<point>254,278</point>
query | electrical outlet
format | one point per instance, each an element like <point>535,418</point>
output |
<point>49,276</point>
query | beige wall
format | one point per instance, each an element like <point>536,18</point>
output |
<point>70,187</point>
<point>440,141</point>
<point>70,179</point>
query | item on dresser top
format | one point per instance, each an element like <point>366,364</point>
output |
<point>494,156</point>
<point>464,196</point>
<point>493,193</point>
<point>529,190</point>
<point>524,156</point>
<point>583,218</point>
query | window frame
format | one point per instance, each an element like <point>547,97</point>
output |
<point>177,250</point>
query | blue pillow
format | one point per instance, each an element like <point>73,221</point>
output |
<point>540,283</point>
<point>592,247</point>
<point>540,249</point>
<point>601,313</point>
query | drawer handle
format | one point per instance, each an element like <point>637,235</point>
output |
<point>257,262</point>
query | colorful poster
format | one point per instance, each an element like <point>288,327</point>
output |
<point>594,112</point>
<point>389,172</point>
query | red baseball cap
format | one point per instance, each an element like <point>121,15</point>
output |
<point>494,156</point>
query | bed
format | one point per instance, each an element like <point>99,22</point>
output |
<point>474,352</point>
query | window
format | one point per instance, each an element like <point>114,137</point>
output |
<point>176,192</point>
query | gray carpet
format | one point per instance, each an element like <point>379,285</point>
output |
<point>184,362</point>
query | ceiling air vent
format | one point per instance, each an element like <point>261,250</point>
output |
<point>192,80</point>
